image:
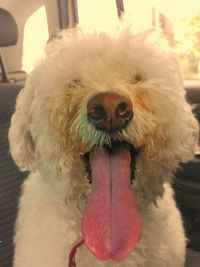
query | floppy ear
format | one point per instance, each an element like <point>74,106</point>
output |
<point>21,142</point>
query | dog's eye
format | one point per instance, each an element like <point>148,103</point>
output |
<point>137,78</point>
<point>74,83</point>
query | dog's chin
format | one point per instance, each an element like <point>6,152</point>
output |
<point>112,148</point>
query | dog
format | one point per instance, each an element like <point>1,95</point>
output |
<point>102,125</point>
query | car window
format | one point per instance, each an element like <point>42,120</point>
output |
<point>187,40</point>
<point>100,14</point>
<point>180,21</point>
<point>36,28</point>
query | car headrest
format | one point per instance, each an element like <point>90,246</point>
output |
<point>8,29</point>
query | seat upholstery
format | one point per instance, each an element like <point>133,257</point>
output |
<point>187,185</point>
<point>10,176</point>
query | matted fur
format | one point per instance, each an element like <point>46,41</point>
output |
<point>49,132</point>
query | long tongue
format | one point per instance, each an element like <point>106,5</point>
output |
<point>111,224</point>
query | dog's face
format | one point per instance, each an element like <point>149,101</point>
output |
<point>109,115</point>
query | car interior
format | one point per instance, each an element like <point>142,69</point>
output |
<point>61,15</point>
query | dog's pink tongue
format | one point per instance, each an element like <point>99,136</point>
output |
<point>111,221</point>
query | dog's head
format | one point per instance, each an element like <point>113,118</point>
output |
<point>106,111</point>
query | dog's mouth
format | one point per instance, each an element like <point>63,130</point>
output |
<point>111,224</point>
<point>115,146</point>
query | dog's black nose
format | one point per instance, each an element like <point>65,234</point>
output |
<point>109,111</point>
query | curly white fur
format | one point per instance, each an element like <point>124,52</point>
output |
<point>49,131</point>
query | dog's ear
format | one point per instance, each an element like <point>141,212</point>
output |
<point>21,142</point>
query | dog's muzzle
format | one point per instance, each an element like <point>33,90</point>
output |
<point>111,221</point>
<point>109,111</point>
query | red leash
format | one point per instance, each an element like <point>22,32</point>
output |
<point>72,262</point>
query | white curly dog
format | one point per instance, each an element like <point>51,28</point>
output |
<point>102,124</point>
